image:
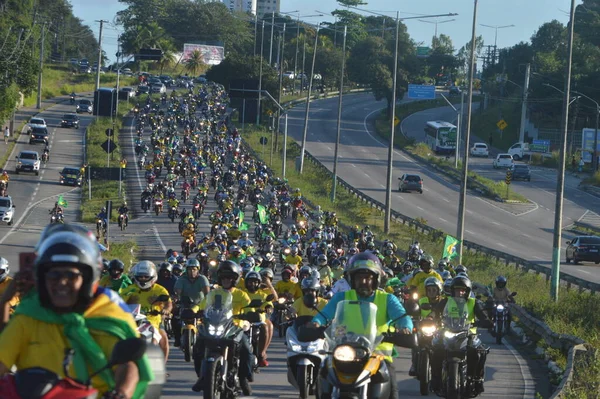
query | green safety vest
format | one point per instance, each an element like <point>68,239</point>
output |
<point>453,311</point>
<point>380,300</point>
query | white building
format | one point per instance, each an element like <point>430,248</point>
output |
<point>266,7</point>
<point>241,5</point>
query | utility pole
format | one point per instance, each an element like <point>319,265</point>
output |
<point>524,105</point>
<point>282,37</point>
<point>560,181</point>
<point>39,90</point>
<point>463,184</point>
<point>99,54</point>
<point>296,56</point>
<point>262,42</point>
<point>310,82</point>
<point>271,44</point>
<point>339,121</point>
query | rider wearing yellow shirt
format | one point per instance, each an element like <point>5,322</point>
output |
<point>5,281</point>
<point>174,203</point>
<point>286,287</point>
<point>293,258</point>
<point>418,279</point>
<point>146,292</point>
<point>310,287</point>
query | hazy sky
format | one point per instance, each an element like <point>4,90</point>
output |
<point>526,15</point>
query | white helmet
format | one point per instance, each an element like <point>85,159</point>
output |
<point>145,269</point>
<point>4,269</point>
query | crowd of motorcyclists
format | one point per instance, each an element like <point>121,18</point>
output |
<point>343,302</point>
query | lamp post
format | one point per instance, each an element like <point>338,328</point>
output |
<point>339,121</point>
<point>496,35</point>
<point>560,181</point>
<point>436,24</point>
<point>297,36</point>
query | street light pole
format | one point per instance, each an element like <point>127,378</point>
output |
<point>262,42</point>
<point>460,231</point>
<point>339,121</point>
<point>496,35</point>
<point>390,168</point>
<point>310,82</point>
<point>560,182</point>
<point>271,44</point>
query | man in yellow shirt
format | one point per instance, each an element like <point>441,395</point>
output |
<point>5,281</point>
<point>146,293</point>
<point>67,270</point>
<point>228,275</point>
<point>252,283</point>
<point>293,258</point>
<point>310,288</point>
<point>426,270</point>
<point>286,287</point>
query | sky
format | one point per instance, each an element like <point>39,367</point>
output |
<point>526,15</point>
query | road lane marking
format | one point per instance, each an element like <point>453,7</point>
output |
<point>528,391</point>
<point>443,220</point>
<point>418,207</point>
<point>157,236</point>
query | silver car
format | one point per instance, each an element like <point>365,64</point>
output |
<point>410,182</point>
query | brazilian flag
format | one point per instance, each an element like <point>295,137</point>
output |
<point>62,202</point>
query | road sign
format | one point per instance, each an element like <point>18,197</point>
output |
<point>109,146</point>
<point>109,132</point>
<point>396,121</point>
<point>502,124</point>
<point>540,146</point>
<point>587,144</point>
<point>422,92</point>
<point>508,177</point>
<point>263,140</point>
<point>423,52</point>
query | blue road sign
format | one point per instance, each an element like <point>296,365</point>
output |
<point>540,146</point>
<point>422,92</point>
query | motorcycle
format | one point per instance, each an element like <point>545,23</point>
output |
<point>455,337</point>
<point>221,337</point>
<point>57,218</point>
<point>45,157</point>
<point>188,246</point>
<point>72,100</point>
<point>282,314</point>
<point>158,204</point>
<point>303,358</point>
<point>146,204</point>
<point>185,195</point>
<point>197,210</point>
<point>123,221</point>
<point>353,368</point>
<point>146,330</point>
<point>425,334</point>
<point>501,318</point>
<point>100,227</point>
<point>36,382</point>
<point>173,213</point>
<point>189,321</point>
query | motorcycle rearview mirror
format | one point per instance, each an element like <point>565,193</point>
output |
<point>402,340</point>
<point>270,297</point>
<point>255,303</point>
<point>162,298</point>
<point>308,333</point>
<point>252,317</point>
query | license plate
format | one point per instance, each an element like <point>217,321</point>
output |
<point>593,250</point>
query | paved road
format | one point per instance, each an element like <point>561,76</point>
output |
<point>35,195</point>
<point>509,375</point>
<point>525,231</point>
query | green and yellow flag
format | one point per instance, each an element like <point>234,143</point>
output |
<point>243,225</point>
<point>262,214</point>
<point>62,202</point>
<point>450,247</point>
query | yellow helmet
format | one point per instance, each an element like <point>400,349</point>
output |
<point>190,226</point>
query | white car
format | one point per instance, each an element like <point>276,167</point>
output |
<point>7,210</point>
<point>37,122</point>
<point>289,75</point>
<point>503,161</point>
<point>480,150</point>
<point>28,161</point>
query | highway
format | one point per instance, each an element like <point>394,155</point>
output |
<point>34,195</point>
<point>509,375</point>
<point>522,230</point>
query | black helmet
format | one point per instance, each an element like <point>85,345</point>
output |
<point>116,265</point>
<point>427,261</point>
<point>229,268</point>
<point>461,282</point>
<point>500,281</point>
<point>68,247</point>
<point>364,261</point>
<point>165,266</point>
<point>460,269</point>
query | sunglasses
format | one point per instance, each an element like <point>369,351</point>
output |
<point>55,275</point>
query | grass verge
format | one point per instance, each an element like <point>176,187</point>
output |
<point>125,251</point>
<point>575,314</point>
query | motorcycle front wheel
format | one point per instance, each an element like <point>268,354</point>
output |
<point>452,381</point>
<point>186,345</point>
<point>303,380</point>
<point>424,374</point>
<point>212,379</point>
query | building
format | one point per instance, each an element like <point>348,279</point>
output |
<point>266,7</point>
<point>248,6</point>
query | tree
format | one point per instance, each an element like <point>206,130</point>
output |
<point>194,63</point>
<point>238,66</point>
<point>464,55</point>
<point>442,44</point>
<point>549,37</point>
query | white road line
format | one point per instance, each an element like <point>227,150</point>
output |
<point>585,271</point>
<point>496,223</point>
<point>158,239</point>
<point>443,220</point>
<point>528,390</point>
<point>418,207</point>
<point>470,232</point>
<point>502,245</point>
<point>445,199</point>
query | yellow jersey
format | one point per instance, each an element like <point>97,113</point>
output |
<point>418,280</point>
<point>134,294</point>
<point>240,300</point>
<point>293,259</point>
<point>288,287</point>
<point>302,310</point>
<point>262,295</point>
<point>3,286</point>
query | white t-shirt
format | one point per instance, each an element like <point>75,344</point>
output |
<point>340,286</point>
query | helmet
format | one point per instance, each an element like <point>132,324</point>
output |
<point>145,268</point>
<point>229,268</point>
<point>364,261</point>
<point>311,283</point>
<point>166,266</point>
<point>116,264</point>
<point>192,263</point>
<point>305,270</point>
<point>460,269</point>
<point>500,281</point>
<point>461,282</point>
<point>447,289</point>
<point>426,261</point>
<point>69,245</point>
<point>172,260</point>
<point>246,265</point>
<point>322,260</point>
<point>251,275</point>
<point>433,282</point>
<point>442,263</point>
<point>446,275</point>
<point>4,269</point>
<point>267,272</point>
<point>178,268</point>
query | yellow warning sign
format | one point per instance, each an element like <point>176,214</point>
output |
<point>502,124</point>
<point>396,121</point>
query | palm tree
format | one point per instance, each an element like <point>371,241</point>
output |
<point>195,62</point>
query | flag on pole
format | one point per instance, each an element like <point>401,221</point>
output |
<point>262,214</point>
<point>243,225</point>
<point>62,202</point>
<point>450,247</point>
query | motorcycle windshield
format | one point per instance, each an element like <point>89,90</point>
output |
<point>219,306</point>
<point>456,315</point>
<point>354,322</point>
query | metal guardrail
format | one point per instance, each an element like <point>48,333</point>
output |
<point>587,226</point>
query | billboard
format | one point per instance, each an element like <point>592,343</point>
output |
<point>211,55</point>
<point>587,144</point>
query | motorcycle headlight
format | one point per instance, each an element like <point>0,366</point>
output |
<point>212,330</point>
<point>449,334</point>
<point>428,330</point>
<point>344,353</point>
<point>415,296</point>
<point>500,308</point>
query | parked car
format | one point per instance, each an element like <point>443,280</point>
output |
<point>28,161</point>
<point>410,182</point>
<point>38,135</point>
<point>480,150</point>
<point>7,210</point>
<point>584,248</point>
<point>84,106</point>
<point>503,161</point>
<point>520,172</point>
<point>70,120</point>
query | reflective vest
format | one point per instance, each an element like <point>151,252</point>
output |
<point>424,313</point>
<point>380,300</point>
<point>453,311</point>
